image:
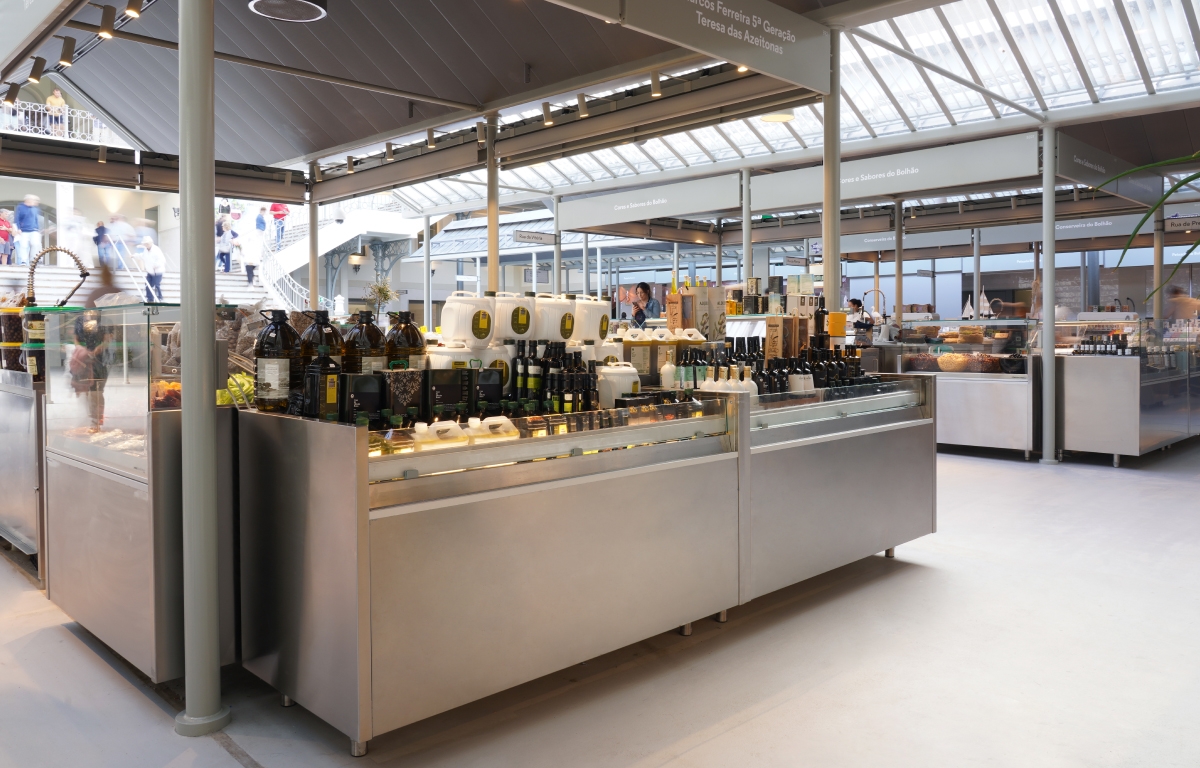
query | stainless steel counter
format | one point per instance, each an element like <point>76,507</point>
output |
<point>22,516</point>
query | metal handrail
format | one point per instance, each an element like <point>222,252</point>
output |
<point>77,124</point>
<point>281,283</point>
<point>139,286</point>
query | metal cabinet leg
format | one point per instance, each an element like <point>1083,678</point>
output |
<point>722,617</point>
<point>1116,459</point>
<point>358,748</point>
<point>686,630</point>
<point>890,552</point>
<point>286,701</point>
<point>1027,455</point>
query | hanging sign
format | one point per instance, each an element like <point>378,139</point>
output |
<point>669,200</point>
<point>541,238</point>
<point>755,33</point>
<point>974,162</point>
<point>1084,164</point>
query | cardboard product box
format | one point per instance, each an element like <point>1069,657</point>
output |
<point>775,304</point>
<point>791,336</point>
<point>801,285</point>
<point>775,337</point>
<point>804,330</point>
<point>717,312</point>
<point>800,305</point>
<point>701,309</point>
<point>673,310</point>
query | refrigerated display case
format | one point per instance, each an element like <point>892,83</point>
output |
<point>113,483</point>
<point>1142,399</point>
<point>987,388</point>
<point>389,576</point>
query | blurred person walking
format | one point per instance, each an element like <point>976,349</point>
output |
<point>7,235</point>
<point>56,108</point>
<point>280,211</point>
<point>251,257</point>
<point>122,237</point>
<point>225,245</point>
<point>28,221</point>
<point>1180,306</point>
<point>155,262</point>
<point>104,247</point>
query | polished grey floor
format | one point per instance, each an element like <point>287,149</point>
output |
<point>1054,620</point>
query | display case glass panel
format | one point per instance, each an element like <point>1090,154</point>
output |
<point>970,348</point>
<point>791,408</point>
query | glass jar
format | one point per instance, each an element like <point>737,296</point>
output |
<point>11,358</point>
<point>11,329</point>
<point>33,357</point>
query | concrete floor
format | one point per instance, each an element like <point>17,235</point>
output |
<point>1052,621</point>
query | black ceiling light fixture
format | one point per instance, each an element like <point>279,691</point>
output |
<point>290,10</point>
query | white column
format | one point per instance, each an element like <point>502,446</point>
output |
<point>556,269</point>
<point>314,282</point>
<point>204,712</point>
<point>976,238</point>
<point>675,266</point>
<point>587,273</point>
<point>1049,431</point>
<point>747,234</point>
<point>831,207</point>
<point>1159,226</point>
<point>876,295</point>
<point>533,263</point>
<point>428,319</point>
<point>899,264</point>
<point>599,271</point>
<point>493,204</point>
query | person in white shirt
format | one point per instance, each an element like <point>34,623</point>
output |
<point>155,262</point>
<point>250,259</point>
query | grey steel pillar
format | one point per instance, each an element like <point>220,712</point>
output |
<point>204,712</point>
<point>428,281</point>
<point>314,282</point>
<point>877,259</point>
<point>587,274</point>
<point>976,238</point>
<point>1159,234</point>
<point>675,266</point>
<point>900,264</point>
<point>1049,163</point>
<point>747,233</point>
<point>556,278</point>
<point>493,204</point>
<point>599,271</point>
<point>533,263</point>
<point>831,207</point>
<point>720,266</point>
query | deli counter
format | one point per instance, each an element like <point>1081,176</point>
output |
<point>387,576</point>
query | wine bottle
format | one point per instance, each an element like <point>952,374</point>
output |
<point>321,386</point>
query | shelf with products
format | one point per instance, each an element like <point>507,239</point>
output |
<point>991,347</point>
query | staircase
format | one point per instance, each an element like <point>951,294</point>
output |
<point>52,283</point>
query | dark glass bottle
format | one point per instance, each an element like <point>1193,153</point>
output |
<point>366,347</point>
<point>278,369</point>
<point>518,366</point>
<point>405,344</point>
<point>321,386</point>
<point>761,379</point>
<point>568,392</point>
<point>534,374</point>
<point>321,333</point>
<point>820,370</point>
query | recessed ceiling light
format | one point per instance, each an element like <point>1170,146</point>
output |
<point>778,117</point>
<point>743,68</point>
<point>290,10</point>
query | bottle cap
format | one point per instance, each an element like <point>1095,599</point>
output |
<point>473,421</point>
<point>412,411</point>
<point>420,427</point>
<point>492,294</point>
<point>396,420</point>
<point>531,294</point>
<point>439,408</point>
<point>506,342</point>
<point>386,413</point>
<point>323,350</point>
<point>361,420</point>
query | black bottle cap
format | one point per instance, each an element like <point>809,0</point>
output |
<point>365,316</point>
<point>492,294</point>
<point>405,316</point>
<point>323,350</point>
<point>531,294</point>
<point>506,342</point>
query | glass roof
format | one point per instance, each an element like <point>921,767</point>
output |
<point>1042,54</point>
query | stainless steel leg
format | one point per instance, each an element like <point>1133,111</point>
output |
<point>686,630</point>
<point>358,748</point>
<point>1026,455</point>
<point>722,617</point>
<point>890,552</point>
<point>1116,459</point>
<point>286,701</point>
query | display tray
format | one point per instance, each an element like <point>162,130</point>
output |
<point>784,410</point>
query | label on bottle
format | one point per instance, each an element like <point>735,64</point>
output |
<point>374,364</point>
<point>639,358</point>
<point>566,326</point>
<point>417,362</point>
<point>35,330</point>
<point>481,324</point>
<point>331,390</point>
<point>505,373</point>
<point>274,378</point>
<point>460,365</point>
<point>533,379</point>
<point>795,383</point>
<point>603,327</point>
<point>568,402</point>
<point>520,321</point>
<point>31,364</point>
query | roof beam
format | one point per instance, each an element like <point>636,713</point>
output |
<point>700,144</point>
<point>945,73</point>
<point>858,114</point>
<point>881,83</point>
<point>966,60</point>
<point>721,132</point>
<point>1016,52</point>
<point>648,156</point>
<point>1134,46</point>
<point>616,151</point>
<point>796,135</point>
<point>674,151</point>
<point>762,139</point>
<point>603,166</point>
<point>858,13</point>
<point>580,168</point>
<point>1190,13</point>
<point>242,60</point>
<point>937,96</point>
<point>1065,31</point>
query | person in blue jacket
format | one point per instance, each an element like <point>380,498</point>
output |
<point>27,220</point>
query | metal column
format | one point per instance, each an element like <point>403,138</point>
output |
<point>428,281</point>
<point>719,266</point>
<point>314,282</point>
<point>976,237</point>
<point>900,264</point>
<point>877,291</point>
<point>1049,431</point>
<point>747,240</point>
<point>675,267</point>
<point>599,270</point>
<point>556,277</point>
<point>831,207</point>
<point>587,275</point>
<point>493,205</point>
<point>204,712</point>
<point>1159,227</point>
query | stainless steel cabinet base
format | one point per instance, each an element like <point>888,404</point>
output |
<point>22,518</point>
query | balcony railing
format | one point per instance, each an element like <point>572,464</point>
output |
<point>57,122</point>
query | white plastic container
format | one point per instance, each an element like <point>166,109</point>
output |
<point>609,351</point>
<point>514,315</point>
<point>555,317</point>
<point>454,355</point>
<point>470,319</point>
<point>439,435</point>
<point>689,334</point>
<point>493,429</point>
<point>500,355</point>
<point>591,319</point>
<point>615,381</point>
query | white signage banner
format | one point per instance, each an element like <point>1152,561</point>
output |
<point>975,162</point>
<point>24,21</point>
<point>682,199</point>
<point>1087,165</point>
<point>1182,224</point>
<point>526,236</point>
<point>1074,229</point>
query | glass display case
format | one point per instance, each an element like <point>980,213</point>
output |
<point>987,384</point>
<point>1126,387</point>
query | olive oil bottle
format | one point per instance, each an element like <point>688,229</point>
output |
<point>277,363</point>
<point>366,348</point>
<point>321,386</point>
<point>405,344</point>
<point>321,333</point>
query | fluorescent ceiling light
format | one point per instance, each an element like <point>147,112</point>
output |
<point>778,117</point>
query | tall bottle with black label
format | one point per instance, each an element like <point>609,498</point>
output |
<point>321,386</point>
<point>518,371</point>
<point>278,369</point>
<point>533,376</point>
<point>366,347</point>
